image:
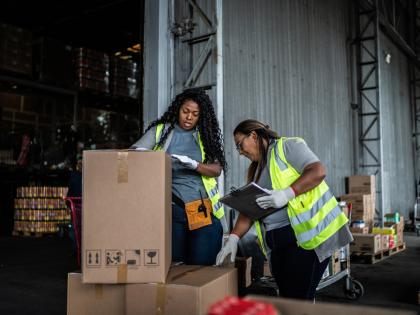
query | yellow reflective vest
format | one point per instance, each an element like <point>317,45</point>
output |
<point>210,183</point>
<point>315,215</point>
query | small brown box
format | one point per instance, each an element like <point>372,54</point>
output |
<point>366,243</point>
<point>85,299</point>
<point>362,184</point>
<point>188,290</point>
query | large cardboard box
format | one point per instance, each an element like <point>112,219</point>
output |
<point>88,299</point>
<point>127,216</point>
<point>362,184</point>
<point>363,207</point>
<point>366,243</point>
<point>296,307</point>
<point>188,290</point>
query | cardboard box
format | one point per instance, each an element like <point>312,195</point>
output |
<point>188,290</point>
<point>88,299</point>
<point>366,243</point>
<point>267,271</point>
<point>384,242</point>
<point>296,307</point>
<point>334,265</point>
<point>244,265</point>
<point>362,184</point>
<point>363,230</point>
<point>127,216</point>
<point>363,207</point>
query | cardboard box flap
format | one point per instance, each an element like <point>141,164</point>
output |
<point>195,276</point>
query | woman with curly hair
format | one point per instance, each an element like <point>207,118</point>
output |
<point>190,133</point>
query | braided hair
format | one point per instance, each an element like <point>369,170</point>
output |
<point>263,133</point>
<point>207,125</point>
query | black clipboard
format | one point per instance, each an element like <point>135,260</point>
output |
<point>243,200</point>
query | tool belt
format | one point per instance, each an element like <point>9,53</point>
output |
<point>198,212</point>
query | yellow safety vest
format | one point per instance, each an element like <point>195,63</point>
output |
<point>210,184</point>
<point>315,215</point>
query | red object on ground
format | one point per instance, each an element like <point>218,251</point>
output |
<point>75,204</point>
<point>235,306</point>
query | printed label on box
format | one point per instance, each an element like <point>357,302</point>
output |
<point>132,257</point>
<point>151,257</point>
<point>113,257</point>
<point>93,258</point>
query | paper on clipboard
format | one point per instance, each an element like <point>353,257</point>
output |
<point>243,200</point>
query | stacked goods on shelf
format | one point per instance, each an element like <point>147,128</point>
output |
<point>125,78</point>
<point>53,62</point>
<point>6,157</point>
<point>361,195</point>
<point>393,230</point>
<point>40,209</point>
<point>15,49</point>
<point>126,243</point>
<point>92,70</point>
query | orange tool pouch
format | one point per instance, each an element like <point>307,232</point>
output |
<point>198,213</point>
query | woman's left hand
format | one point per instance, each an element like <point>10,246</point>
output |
<point>186,161</point>
<point>277,199</point>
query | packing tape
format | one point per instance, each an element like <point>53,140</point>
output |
<point>160,299</point>
<point>99,291</point>
<point>122,273</point>
<point>122,167</point>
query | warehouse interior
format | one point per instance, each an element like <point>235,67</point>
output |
<point>79,77</point>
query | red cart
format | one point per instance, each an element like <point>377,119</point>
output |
<point>75,204</point>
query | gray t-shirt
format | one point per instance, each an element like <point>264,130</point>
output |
<point>186,183</point>
<point>298,155</point>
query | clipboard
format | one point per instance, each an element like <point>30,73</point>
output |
<point>243,200</point>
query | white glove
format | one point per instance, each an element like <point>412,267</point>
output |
<point>231,247</point>
<point>277,198</point>
<point>186,161</point>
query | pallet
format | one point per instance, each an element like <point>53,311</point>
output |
<point>369,258</point>
<point>30,234</point>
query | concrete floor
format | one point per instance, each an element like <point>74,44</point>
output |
<point>33,275</point>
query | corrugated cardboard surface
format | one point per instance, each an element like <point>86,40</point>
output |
<point>126,223</point>
<point>362,184</point>
<point>97,299</point>
<point>295,307</point>
<point>366,243</point>
<point>189,290</point>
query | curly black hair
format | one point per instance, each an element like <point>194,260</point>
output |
<point>207,125</point>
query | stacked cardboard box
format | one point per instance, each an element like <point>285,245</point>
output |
<point>92,70</point>
<point>15,49</point>
<point>362,196</point>
<point>188,290</point>
<point>399,229</point>
<point>125,78</point>
<point>126,243</point>
<point>362,207</point>
<point>366,243</point>
<point>394,231</point>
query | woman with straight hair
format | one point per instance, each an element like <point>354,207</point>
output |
<point>308,225</point>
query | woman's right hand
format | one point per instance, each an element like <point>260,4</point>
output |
<point>230,247</point>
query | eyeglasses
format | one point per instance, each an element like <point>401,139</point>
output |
<point>239,144</point>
